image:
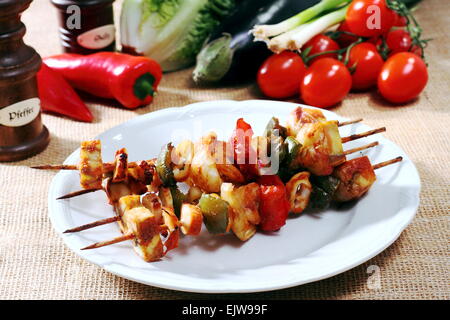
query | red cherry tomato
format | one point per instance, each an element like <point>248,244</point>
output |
<point>399,21</point>
<point>369,18</point>
<point>377,41</point>
<point>345,39</point>
<point>403,77</point>
<point>321,43</point>
<point>417,50</point>
<point>368,63</point>
<point>327,81</point>
<point>398,41</point>
<point>240,141</point>
<point>280,75</point>
<point>274,206</point>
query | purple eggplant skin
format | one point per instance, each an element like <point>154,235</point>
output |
<point>235,57</point>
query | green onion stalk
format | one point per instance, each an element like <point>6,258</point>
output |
<point>294,32</point>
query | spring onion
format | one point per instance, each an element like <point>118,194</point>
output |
<point>294,32</point>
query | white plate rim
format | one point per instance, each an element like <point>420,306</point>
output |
<point>404,217</point>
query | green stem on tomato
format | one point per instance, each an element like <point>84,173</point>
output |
<point>339,52</point>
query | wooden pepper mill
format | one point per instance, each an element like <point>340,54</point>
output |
<point>21,131</point>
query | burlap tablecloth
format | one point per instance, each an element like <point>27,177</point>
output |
<point>35,264</point>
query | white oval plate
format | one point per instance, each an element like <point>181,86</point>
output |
<point>308,248</point>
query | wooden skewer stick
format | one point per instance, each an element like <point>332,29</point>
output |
<point>107,166</point>
<point>367,146</point>
<point>77,193</point>
<point>362,135</point>
<point>341,124</point>
<point>109,242</point>
<point>386,163</point>
<point>56,167</point>
<point>130,236</point>
<point>93,224</point>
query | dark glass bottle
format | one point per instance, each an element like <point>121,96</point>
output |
<point>21,131</point>
<point>86,26</point>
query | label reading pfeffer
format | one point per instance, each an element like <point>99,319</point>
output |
<point>20,113</point>
<point>97,38</point>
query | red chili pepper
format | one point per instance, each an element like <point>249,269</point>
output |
<point>274,206</point>
<point>244,154</point>
<point>129,79</point>
<point>57,96</point>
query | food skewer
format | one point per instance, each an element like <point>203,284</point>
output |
<point>114,219</point>
<point>144,221</point>
<point>85,191</point>
<point>144,194</point>
<point>108,167</point>
<point>131,236</point>
<point>349,181</point>
<point>307,116</point>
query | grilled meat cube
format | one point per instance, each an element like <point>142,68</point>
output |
<point>173,232</point>
<point>191,219</point>
<point>356,177</point>
<point>91,164</point>
<point>144,223</point>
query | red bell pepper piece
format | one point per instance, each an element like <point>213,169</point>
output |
<point>274,206</point>
<point>244,154</point>
<point>130,80</point>
<point>57,96</point>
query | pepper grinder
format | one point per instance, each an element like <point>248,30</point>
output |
<point>22,133</point>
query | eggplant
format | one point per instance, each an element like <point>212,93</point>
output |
<point>232,55</point>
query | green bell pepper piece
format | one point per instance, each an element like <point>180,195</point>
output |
<point>215,213</point>
<point>163,166</point>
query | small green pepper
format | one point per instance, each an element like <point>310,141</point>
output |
<point>274,124</point>
<point>215,213</point>
<point>177,200</point>
<point>327,183</point>
<point>163,166</point>
<point>289,165</point>
<point>292,149</point>
<point>322,193</point>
